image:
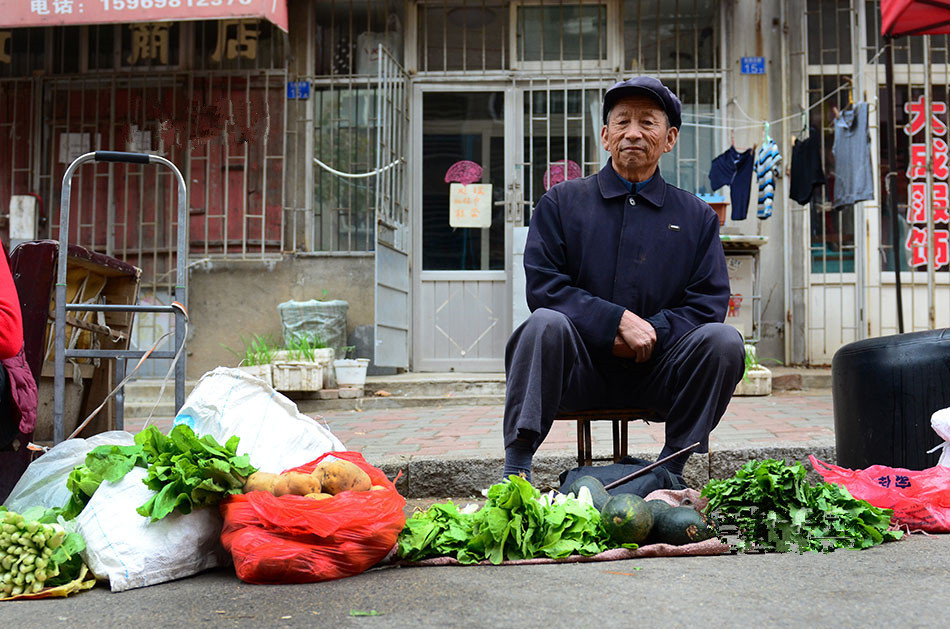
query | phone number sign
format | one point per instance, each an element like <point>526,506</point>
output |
<point>23,13</point>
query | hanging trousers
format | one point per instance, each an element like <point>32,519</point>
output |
<point>549,369</point>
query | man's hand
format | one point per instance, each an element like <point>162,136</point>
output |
<point>635,338</point>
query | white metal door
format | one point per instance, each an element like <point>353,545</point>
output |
<point>461,296</point>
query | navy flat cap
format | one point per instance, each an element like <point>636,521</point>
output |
<point>648,86</point>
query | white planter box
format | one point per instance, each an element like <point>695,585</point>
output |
<point>298,376</point>
<point>756,381</point>
<point>320,356</point>
<point>264,372</point>
<point>351,372</point>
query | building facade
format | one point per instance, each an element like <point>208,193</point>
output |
<point>390,153</point>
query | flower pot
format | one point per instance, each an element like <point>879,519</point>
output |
<point>351,372</point>
<point>756,381</point>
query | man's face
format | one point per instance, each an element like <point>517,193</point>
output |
<point>636,135</point>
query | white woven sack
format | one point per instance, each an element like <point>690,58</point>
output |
<point>277,436</point>
<point>131,552</point>
<point>44,481</point>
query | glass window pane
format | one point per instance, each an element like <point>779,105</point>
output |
<point>687,165</point>
<point>562,32</point>
<point>459,127</point>
<point>463,35</point>
<point>829,32</point>
<point>344,139</point>
<point>559,147</point>
<point>670,34</point>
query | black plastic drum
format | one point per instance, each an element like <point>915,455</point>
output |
<point>885,390</point>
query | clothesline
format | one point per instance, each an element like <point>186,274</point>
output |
<point>757,122</point>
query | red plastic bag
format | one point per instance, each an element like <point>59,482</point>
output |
<point>292,539</point>
<point>920,499</point>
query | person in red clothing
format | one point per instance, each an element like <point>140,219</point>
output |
<point>11,321</point>
<point>12,386</point>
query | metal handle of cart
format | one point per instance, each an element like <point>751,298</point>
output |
<point>181,294</point>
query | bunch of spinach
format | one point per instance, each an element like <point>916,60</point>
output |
<point>774,507</point>
<point>189,472</point>
<point>515,523</point>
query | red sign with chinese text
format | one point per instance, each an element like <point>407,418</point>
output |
<point>23,13</point>
<point>918,236</point>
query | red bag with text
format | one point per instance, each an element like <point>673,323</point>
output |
<point>920,499</point>
<point>293,539</point>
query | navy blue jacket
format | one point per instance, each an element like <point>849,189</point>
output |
<point>594,250</point>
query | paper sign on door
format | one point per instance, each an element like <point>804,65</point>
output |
<point>470,206</point>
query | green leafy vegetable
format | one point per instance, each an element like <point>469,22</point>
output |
<point>515,523</point>
<point>189,472</point>
<point>109,462</point>
<point>774,508</point>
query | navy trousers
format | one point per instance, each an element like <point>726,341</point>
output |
<point>549,369</point>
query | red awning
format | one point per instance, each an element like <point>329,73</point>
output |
<point>915,17</point>
<point>73,12</point>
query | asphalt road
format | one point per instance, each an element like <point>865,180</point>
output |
<point>901,584</point>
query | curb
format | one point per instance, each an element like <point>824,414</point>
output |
<point>441,477</point>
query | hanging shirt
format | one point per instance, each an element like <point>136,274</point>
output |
<point>734,169</point>
<point>806,169</point>
<point>766,167</point>
<point>852,153</point>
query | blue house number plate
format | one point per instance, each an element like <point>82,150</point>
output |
<point>753,65</point>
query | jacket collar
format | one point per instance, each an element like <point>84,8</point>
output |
<point>610,185</point>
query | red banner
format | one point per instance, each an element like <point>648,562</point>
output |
<point>21,13</point>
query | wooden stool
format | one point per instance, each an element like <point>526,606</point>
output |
<point>621,417</point>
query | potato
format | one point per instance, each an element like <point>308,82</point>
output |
<point>339,476</point>
<point>377,488</point>
<point>260,481</point>
<point>282,486</point>
<point>318,496</point>
<point>301,484</point>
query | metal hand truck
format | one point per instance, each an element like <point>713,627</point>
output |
<point>181,296</point>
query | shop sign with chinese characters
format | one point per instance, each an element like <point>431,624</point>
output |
<point>22,13</point>
<point>918,236</point>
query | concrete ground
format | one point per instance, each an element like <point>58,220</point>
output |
<point>452,450</point>
<point>901,584</point>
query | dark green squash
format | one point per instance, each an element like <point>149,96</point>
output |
<point>658,506</point>
<point>682,525</point>
<point>627,519</point>
<point>597,492</point>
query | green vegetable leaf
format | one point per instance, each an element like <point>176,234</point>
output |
<point>188,472</point>
<point>515,523</point>
<point>773,507</point>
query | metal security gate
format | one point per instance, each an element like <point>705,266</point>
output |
<point>845,289</point>
<point>392,305</point>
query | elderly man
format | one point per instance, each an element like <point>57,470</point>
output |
<point>627,284</point>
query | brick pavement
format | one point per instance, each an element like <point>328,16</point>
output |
<point>790,418</point>
<point>787,418</point>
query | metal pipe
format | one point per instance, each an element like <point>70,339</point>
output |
<point>890,177</point>
<point>59,333</point>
